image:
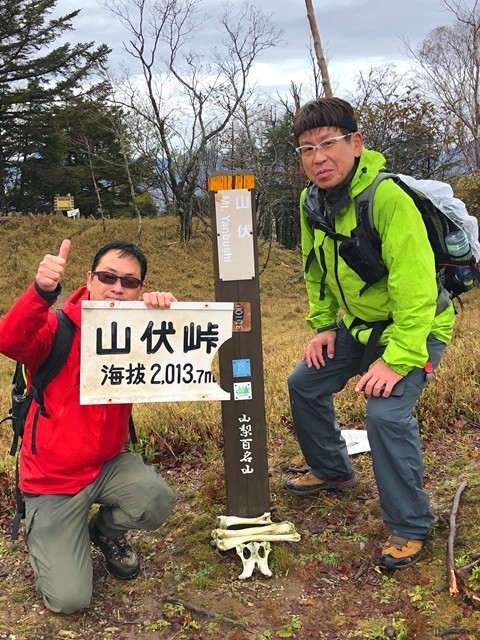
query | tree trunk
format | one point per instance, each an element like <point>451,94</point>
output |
<point>322,63</point>
<point>94,182</point>
<point>130,182</point>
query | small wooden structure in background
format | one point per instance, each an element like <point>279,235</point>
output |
<point>62,204</point>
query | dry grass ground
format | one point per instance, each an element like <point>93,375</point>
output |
<point>324,587</point>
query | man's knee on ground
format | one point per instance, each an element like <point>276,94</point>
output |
<point>70,598</point>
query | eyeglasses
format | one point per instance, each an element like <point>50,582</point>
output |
<point>129,282</point>
<point>307,150</point>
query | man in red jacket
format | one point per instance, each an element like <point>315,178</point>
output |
<point>75,456</point>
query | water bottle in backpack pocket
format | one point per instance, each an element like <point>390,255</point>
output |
<point>460,252</point>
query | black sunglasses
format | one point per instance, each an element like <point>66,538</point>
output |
<point>129,282</point>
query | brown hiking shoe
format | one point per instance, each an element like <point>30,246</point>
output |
<point>400,553</point>
<point>122,561</point>
<point>310,485</point>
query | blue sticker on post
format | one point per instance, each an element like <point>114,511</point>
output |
<point>241,368</point>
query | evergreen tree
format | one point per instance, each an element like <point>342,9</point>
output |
<point>34,76</point>
<point>94,164</point>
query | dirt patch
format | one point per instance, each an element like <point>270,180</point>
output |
<point>327,586</point>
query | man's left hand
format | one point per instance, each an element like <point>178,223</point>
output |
<point>378,381</point>
<point>158,299</point>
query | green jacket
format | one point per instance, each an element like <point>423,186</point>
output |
<point>406,296</point>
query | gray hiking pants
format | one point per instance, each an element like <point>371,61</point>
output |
<point>132,495</point>
<point>393,433</point>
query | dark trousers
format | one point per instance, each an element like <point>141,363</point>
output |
<point>393,433</point>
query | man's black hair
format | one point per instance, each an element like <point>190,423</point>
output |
<point>123,249</point>
<point>324,112</point>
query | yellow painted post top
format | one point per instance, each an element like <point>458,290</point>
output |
<point>231,181</point>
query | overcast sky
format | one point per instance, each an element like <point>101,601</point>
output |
<point>356,35</point>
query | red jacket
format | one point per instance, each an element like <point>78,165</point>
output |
<point>75,441</point>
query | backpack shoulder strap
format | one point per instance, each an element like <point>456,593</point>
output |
<point>61,345</point>
<point>364,200</point>
<point>131,431</point>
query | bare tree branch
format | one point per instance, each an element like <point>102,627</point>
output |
<point>188,97</point>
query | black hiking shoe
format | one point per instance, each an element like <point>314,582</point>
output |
<point>122,561</point>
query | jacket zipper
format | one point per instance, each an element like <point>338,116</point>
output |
<point>323,264</point>
<point>335,252</point>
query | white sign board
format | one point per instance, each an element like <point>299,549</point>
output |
<point>235,242</point>
<point>73,213</point>
<point>133,354</point>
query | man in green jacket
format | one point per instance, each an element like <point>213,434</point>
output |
<point>406,316</point>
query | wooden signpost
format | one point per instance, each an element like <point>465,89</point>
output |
<point>232,207</point>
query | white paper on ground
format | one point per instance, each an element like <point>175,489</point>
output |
<point>357,441</point>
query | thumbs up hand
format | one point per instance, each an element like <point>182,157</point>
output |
<point>51,268</point>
